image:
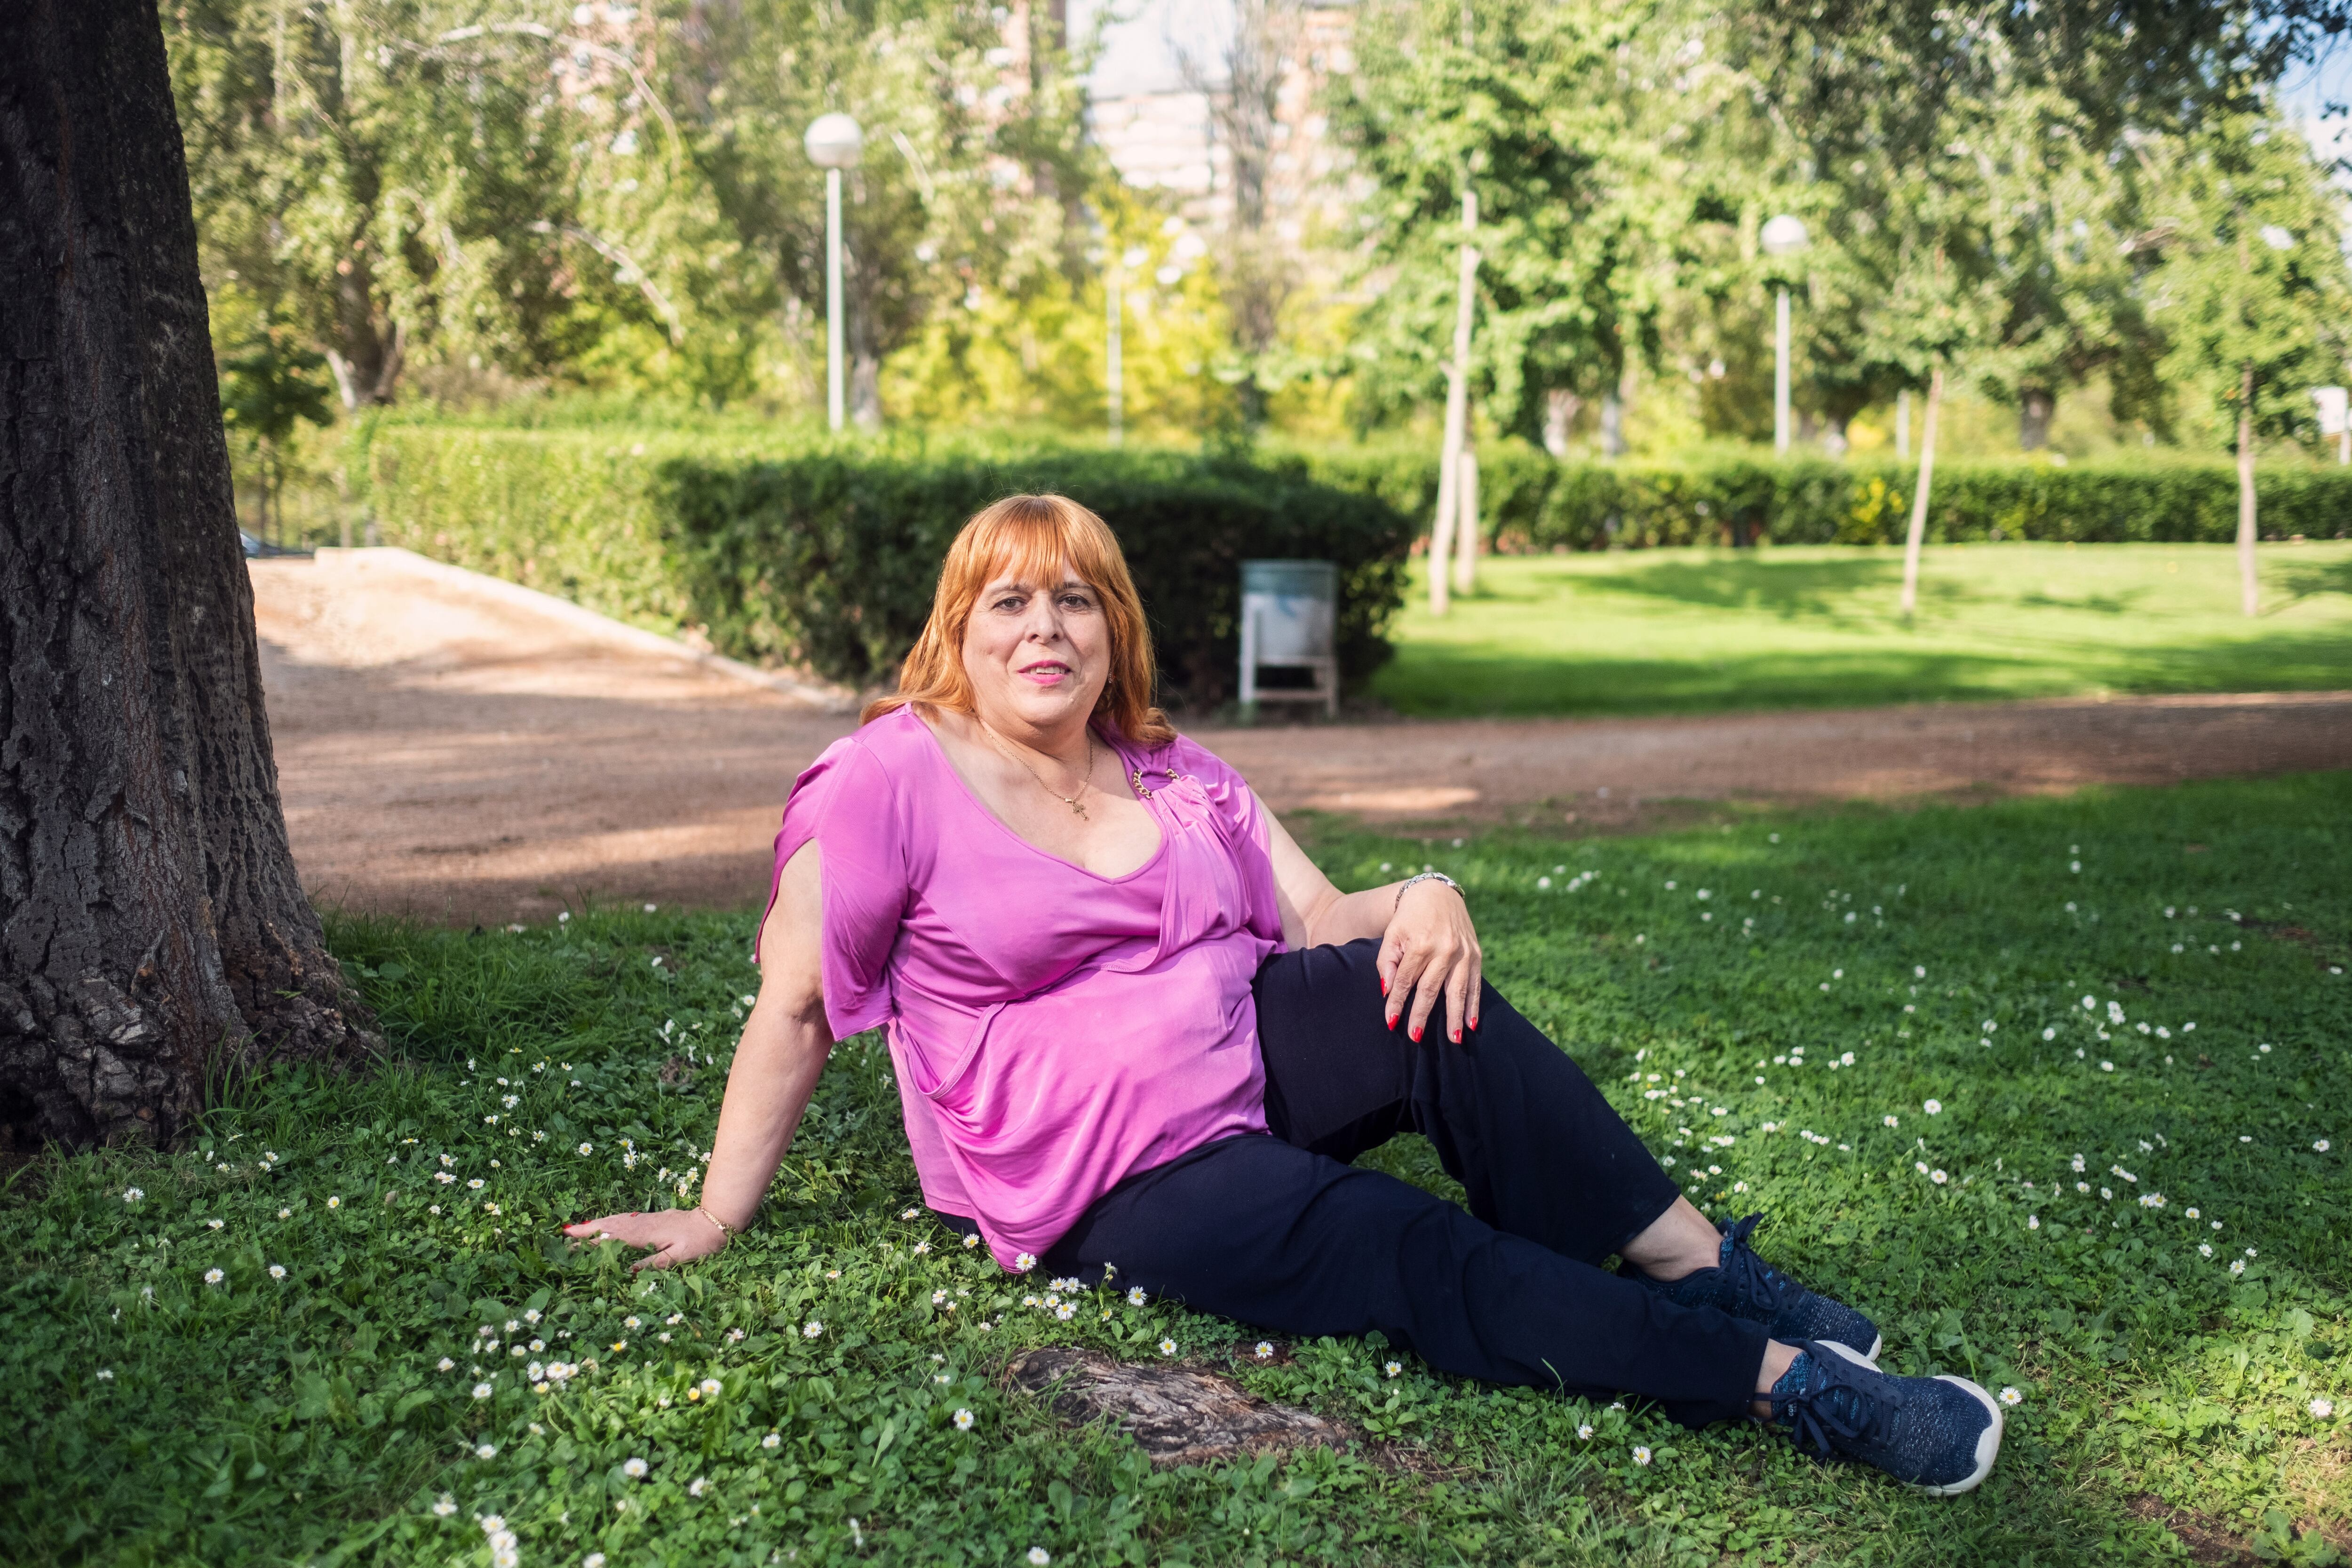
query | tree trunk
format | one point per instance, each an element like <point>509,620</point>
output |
<point>1466,526</point>
<point>1917,532</point>
<point>154,938</point>
<point>2034,408</point>
<point>1457,410</point>
<point>2249,588</point>
<point>1560,407</point>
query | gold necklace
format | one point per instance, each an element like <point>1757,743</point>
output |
<point>1072,801</point>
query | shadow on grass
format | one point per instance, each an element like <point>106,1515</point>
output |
<point>2302,580</point>
<point>1434,680</point>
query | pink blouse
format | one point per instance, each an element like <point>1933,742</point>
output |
<point>1054,1031</point>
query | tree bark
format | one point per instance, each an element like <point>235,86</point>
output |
<point>2249,593</point>
<point>1917,532</point>
<point>154,942</point>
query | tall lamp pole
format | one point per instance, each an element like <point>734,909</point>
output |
<point>1784,237</point>
<point>834,142</point>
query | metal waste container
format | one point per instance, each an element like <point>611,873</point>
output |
<point>1290,612</point>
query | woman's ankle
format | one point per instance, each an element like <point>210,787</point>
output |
<point>1777,1358</point>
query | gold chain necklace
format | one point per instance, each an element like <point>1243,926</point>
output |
<point>1072,801</point>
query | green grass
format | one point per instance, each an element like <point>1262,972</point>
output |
<point>307,1419</point>
<point>1698,630</point>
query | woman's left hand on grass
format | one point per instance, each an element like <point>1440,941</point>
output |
<point>1431,950</point>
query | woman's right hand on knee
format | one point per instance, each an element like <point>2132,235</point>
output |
<point>678,1235</point>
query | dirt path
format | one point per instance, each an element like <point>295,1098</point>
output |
<point>458,756</point>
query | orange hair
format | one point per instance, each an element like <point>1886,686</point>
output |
<point>1032,536</point>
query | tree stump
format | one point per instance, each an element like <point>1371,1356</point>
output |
<point>1177,1415</point>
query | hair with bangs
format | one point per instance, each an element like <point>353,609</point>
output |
<point>1031,537</point>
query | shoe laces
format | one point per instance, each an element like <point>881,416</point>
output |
<point>1749,1274</point>
<point>1823,1422</point>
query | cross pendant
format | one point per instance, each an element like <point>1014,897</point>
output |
<point>1077,808</point>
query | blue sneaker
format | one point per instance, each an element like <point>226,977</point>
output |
<point>1745,1286</point>
<point>1938,1433</point>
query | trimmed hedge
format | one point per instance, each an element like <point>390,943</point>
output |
<point>826,556</point>
<point>1528,502</point>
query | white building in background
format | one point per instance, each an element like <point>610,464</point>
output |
<point>1153,97</point>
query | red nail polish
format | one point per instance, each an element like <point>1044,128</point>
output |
<point>1384,985</point>
<point>1416,1037</point>
<point>1457,1036</point>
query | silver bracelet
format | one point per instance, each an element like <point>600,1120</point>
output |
<point>1426,876</point>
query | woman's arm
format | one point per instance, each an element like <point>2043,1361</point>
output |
<point>783,1052</point>
<point>1428,946</point>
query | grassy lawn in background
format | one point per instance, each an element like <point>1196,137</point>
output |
<point>1698,630</point>
<point>2057,1089</point>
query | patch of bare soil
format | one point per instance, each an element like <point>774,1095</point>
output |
<point>1177,1415</point>
<point>457,756</point>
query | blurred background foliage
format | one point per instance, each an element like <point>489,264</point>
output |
<point>527,212</point>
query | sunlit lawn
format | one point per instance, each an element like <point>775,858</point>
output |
<point>2056,1088</point>
<point>1693,630</point>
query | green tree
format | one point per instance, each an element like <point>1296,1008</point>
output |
<point>2250,294</point>
<point>975,170</point>
<point>269,387</point>
<point>1531,114</point>
<point>411,181</point>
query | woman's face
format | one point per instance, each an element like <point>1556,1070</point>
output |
<point>1037,655</point>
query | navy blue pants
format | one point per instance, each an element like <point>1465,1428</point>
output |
<point>1284,1233</point>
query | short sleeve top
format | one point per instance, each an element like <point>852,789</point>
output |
<point>1053,1030</point>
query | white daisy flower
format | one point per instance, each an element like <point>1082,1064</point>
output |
<point>2011,1396</point>
<point>483,1391</point>
<point>445,1364</point>
<point>2323,1408</point>
<point>963,1419</point>
<point>1039,1557</point>
<point>772,1440</point>
<point>1265,1348</point>
<point>446,1506</point>
<point>1641,1455</point>
<point>1939,1177</point>
<point>2237,1265</point>
<point>1394,1368</point>
<point>213,1276</point>
<point>1891,1121</point>
<point>634,1469</point>
<point>1585,1431</point>
<point>486,1451</point>
<point>1135,1297</point>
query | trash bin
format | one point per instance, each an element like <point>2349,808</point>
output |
<point>1290,613</point>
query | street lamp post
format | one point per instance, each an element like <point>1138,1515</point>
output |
<point>834,142</point>
<point>1784,237</point>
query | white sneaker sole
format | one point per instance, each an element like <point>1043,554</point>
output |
<point>1988,1440</point>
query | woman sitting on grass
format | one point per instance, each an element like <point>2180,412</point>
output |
<point>1133,1026</point>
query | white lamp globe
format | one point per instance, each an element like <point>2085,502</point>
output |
<point>1784,235</point>
<point>834,142</point>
